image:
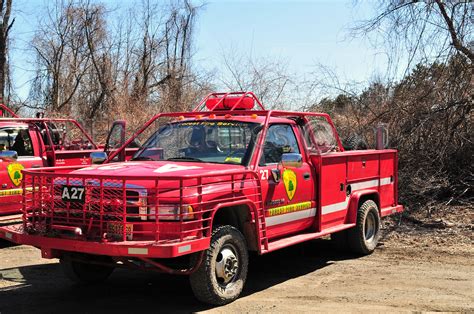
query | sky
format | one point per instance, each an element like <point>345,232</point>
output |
<point>305,33</point>
<point>302,33</point>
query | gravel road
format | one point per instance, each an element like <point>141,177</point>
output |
<point>400,276</point>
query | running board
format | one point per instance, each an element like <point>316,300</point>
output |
<point>298,238</point>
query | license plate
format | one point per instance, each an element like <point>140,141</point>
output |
<point>73,194</point>
<point>115,229</point>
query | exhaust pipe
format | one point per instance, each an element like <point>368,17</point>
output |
<point>381,136</point>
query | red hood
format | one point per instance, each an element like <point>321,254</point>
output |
<point>170,189</point>
<point>152,168</point>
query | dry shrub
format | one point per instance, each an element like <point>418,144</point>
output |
<point>430,120</point>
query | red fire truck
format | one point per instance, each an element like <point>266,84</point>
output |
<point>204,189</point>
<point>37,143</point>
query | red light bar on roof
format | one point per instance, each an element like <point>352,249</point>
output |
<point>245,103</point>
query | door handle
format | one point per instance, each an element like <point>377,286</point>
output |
<point>306,176</point>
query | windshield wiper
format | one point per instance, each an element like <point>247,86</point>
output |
<point>143,158</point>
<point>184,159</point>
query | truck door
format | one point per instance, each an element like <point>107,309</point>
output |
<point>288,193</point>
<point>116,139</point>
<point>15,139</point>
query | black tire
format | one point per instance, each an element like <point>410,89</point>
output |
<point>221,277</point>
<point>355,142</point>
<point>363,238</point>
<point>85,273</point>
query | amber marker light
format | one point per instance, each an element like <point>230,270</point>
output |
<point>227,116</point>
<point>254,116</point>
<point>181,118</point>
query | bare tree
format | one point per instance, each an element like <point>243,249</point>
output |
<point>267,77</point>
<point>99,53</point>
<point>5,27</point>
<point>98,66</point>
<point>178,34</point>
<point>427,30</point>
<point>157,72</point>
<point>61,58</point>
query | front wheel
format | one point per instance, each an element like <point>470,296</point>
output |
<point>363,238</point>
<point>222,274</point>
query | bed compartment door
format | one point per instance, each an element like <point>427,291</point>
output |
<point>387,179</point>
<point>333,191</point>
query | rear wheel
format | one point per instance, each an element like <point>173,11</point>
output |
<point>363,238</point>
<point>85,273</point>
<point>222,274</point>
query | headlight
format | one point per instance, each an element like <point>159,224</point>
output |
<point>172,212</point>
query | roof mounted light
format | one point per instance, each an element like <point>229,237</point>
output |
<point>228,103</point>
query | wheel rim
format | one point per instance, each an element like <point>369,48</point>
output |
<point>370,227</point>
<point>227,265</point>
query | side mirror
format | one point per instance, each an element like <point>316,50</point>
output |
<point>276,174</point>
<point>98,158</point>
<point>291,160</point>
<point>8,155</point>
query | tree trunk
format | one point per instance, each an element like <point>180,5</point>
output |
<point>5,26</point>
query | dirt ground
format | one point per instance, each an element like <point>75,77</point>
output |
<point>417,267</point>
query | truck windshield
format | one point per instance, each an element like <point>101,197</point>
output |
<point>202,141</point>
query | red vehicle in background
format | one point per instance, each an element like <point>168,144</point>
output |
<point>204,189</point>
<point>36,143</point>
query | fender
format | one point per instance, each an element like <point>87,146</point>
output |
<point>354,203</point>
<point>247,202</point>
<point>253,209</point>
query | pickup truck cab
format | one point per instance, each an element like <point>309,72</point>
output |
<point>37,143</point>
<point>204,189</point>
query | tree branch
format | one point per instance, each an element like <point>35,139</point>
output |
<point>454,37</point>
